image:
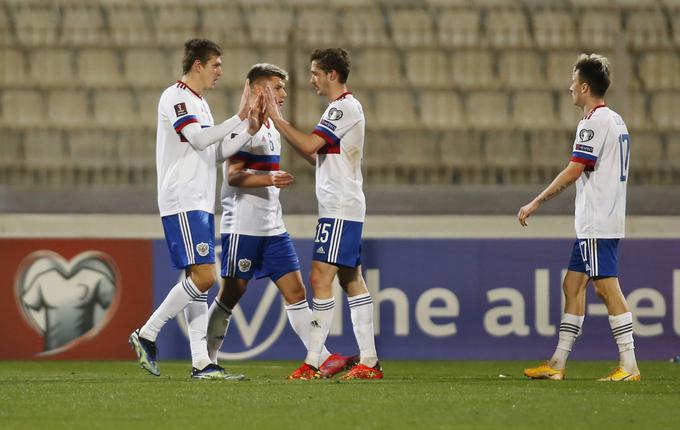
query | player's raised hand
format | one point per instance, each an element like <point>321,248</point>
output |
<point>282,179</point>
<point>244,105</point>
<point>256,115</point>
<point>271,105</point>
<point>526,211</point>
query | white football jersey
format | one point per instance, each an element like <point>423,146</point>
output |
<point>338,163</point>
<point>186,177</point>
<point>602,143</point>
<point>254,211</point>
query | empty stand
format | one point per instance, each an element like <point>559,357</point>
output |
<point>488,109</point>
<point>100,67</point>
<point>363,27</point>
<point>68,108</point>
<point>555,28</point>
<point>83,25</point>
<point>428,68</point>
<point>412,28</point>
<point>442,110</point>
<point>521,69</point>
<point>508,28</point>
<point>459,28</point>
<point>53,67</point>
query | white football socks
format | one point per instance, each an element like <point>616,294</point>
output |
<point>177,299</point>
<point>361,311</point>
<point>622,330</point>
<point>300,319</point>
<point>320,326</point>
<point>218,323</point>
<point>196,316</point>
<point>570,329</point>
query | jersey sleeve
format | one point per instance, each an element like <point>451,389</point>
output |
<point>179,111</point>
<point>590,138</point>
<point>336,121</point>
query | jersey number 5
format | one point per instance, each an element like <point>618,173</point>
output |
<point>624,146</point>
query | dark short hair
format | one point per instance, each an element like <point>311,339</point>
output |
<point>332,59</point>
<point>265,70</point>
<point>199,49</point>
<point>593,69</point>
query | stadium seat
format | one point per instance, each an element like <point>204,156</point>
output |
<point>554,28</point>
<point>147,67</point>
<point>521,70</point>
<point>68,108</point>
<point>11,155</point>
<point>427,68</point>
<point>130,24</point>
<point>412,28</point>
<point>280,57</point>
<point>473,69</point>
<point>317,27</point>
<point>6,33</point>
<point>417,149</point>
<point>36,24</point>
<point>660,70</point>
<point>550,150</point>
<point>13,68</point>
<point>635,111</point>
<point>507,28</point>
<point>23,108</point>
<point>462,148</point>
<point>568,114</point>
<point>599,29</point>
<point>238,62</point>
<point>559,68</point>
<point>308,108</point>
<point>46,156</point>
<point>93,156</point>
<point>83,25</point>
<point>506,149</point>
<point>52,67</point>
<point>100,67</point>
<point>363,27</point>
<point>673,150</point>
<point>442,110</point>
<point>458,28</point>
<point>377,68</point>
<point>225,25</point>
<point>223,104</point>
<point>147,101</point>
<point>395,110</point>
<point>175,24</point>
<point>676,26</point>
<point>488,109</point>
<point>534,110</point>
<point>665,108</point>
<point>276,31</point>
<point>115,108</point>
<point>646,30</point>
<point>646,152</point>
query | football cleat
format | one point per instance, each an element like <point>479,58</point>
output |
<point>305,373</point>
<point>336,363</point>
<point>544,371</point>
<point>619,375</point>
<point>213,371</point>
<point>146,353</point>
<point>361,371</point>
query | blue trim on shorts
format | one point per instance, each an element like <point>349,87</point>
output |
<point>597,258</point>
<point>245,257</point>
<point>190,237</point>
<point>338,242</point>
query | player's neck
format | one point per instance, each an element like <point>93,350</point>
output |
<point>194,83</point>
<point>592,103</point>
<point>336,92</point>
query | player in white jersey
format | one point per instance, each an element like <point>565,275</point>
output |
<point>336,148</point>
<point>254,238</point>
<point>186,150</point>
<point>599,166</point>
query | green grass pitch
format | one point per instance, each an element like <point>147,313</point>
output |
<point>422,395</point>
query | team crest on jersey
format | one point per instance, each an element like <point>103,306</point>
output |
<point>202,249</point>
<point>244,265</point>
<point>181,109</point>
<point>585,135</point>
<point>334,114</point>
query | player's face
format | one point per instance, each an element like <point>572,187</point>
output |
<point>577,89</point>
<point>319,79</point>
<point>211,72</point>
<point>278,86</point>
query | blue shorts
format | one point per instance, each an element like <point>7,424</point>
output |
<point>597,258</point>
<point>246,256</point>
<point>338,242</point>
<point>190,237</point>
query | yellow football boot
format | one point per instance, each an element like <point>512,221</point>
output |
<point>544,371</point>
<point>618,375</point>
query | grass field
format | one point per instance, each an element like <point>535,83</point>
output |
<point>424,395</point>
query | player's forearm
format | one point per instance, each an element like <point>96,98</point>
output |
<point>248,180</point>
<point>304,144</point>
<point>561,182</point>
<point>201,138</point>
<point>310,158</point>
<point>231,145</point>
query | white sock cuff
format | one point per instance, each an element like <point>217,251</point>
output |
<point>323,304</point>
<point>573,319</point>
<point>360,300</point>
<point>191,289</point>
<point>620,320</point>
<point>302,304</point>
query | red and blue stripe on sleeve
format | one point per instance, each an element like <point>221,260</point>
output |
<point>183,122</point>
<point>584,158</point>
<point>332,145</point>
<point>266,163</point>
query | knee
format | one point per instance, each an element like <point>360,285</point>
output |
<point>203,279</point>
<point>602,293</point>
